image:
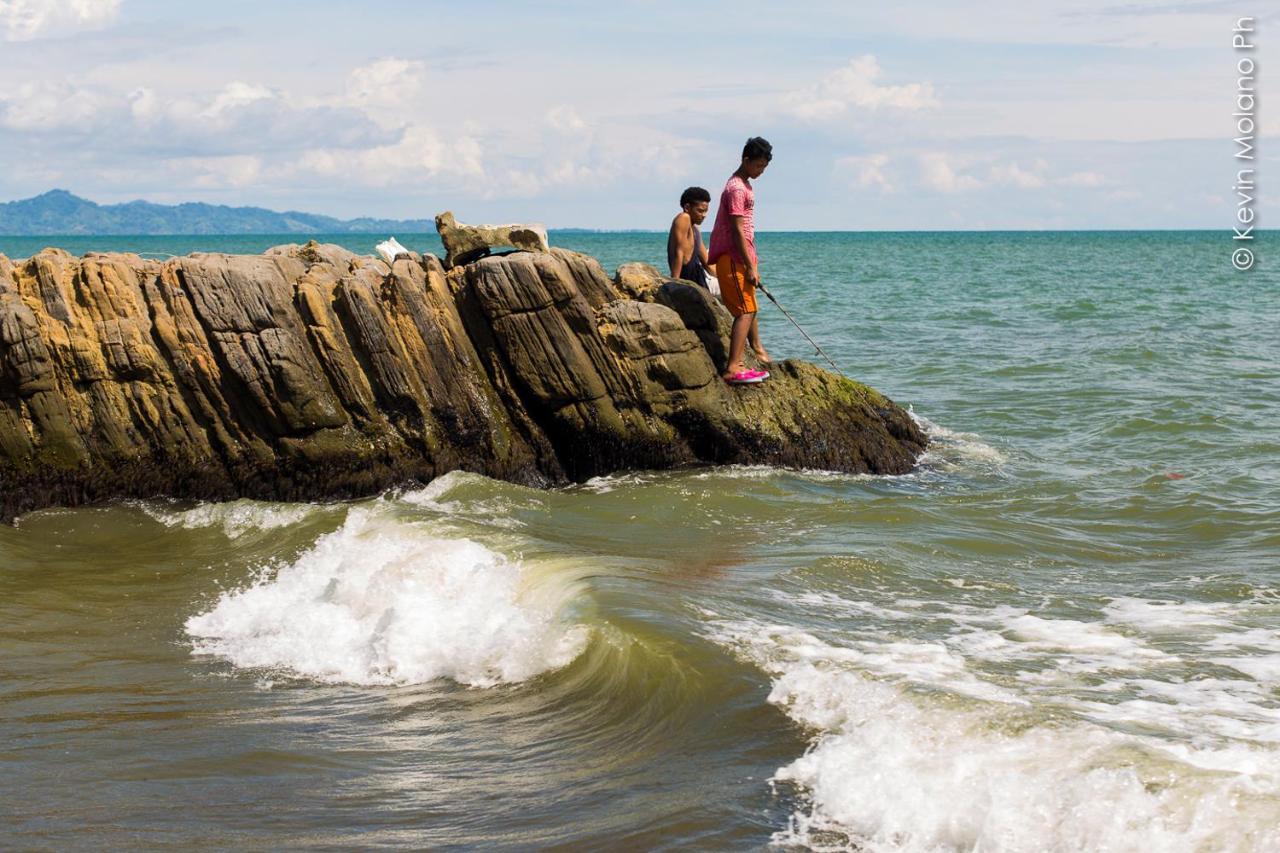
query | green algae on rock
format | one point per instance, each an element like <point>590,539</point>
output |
<point>310,372</point>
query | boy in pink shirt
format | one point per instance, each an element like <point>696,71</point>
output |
<point>733,251</point>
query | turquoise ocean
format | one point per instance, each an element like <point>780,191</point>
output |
<point>1060,632</point>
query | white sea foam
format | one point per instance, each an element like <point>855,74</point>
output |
<point>751,473</point>
<point>892,768</point>
<point>435,491</point>
<point>1262,668</point>
<point>236,518</point>
<point>1243,635</point>
<point>1001,634</point>
<point>1148,688</point>
<point>845,606</point>
<point>382,601</point>
<point>1223,710</point>
<point>1084,639</point>
<point>1249,626</point>
<point>494,510</point>
<point>769,472</point>
<point>606,483</point>
<point>1165,617</point>
<point>949,448</point>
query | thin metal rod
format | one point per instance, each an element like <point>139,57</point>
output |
<point>802,331</point>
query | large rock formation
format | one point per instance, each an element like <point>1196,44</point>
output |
<point>466,243</point>
<point>309,372</point>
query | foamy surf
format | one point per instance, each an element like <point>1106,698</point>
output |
<point>382,601</point>
<point>468,496</point>
<point>720,473</point>
<point>949,448</point>
<point>895,767</point>
<point>236,518</point>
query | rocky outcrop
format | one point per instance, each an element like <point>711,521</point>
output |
<point>309,372</point>
<point>466,243</point>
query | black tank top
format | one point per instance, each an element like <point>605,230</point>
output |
<point>692,270</point>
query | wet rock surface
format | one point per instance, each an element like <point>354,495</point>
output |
<point>309,372</point>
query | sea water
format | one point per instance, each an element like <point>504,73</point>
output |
<point>1060,632</point>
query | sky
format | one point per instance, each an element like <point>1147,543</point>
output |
<point>922,114</point>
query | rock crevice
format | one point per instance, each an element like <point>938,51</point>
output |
<point>309,372</point>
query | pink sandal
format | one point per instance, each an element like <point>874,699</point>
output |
<point>747,377</point>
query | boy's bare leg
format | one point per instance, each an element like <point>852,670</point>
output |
<point>754,339</point>
<point>738,343</point>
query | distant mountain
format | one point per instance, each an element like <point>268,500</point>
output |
<point>60,212</point>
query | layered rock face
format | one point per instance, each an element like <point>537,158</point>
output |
<point>309,372</point>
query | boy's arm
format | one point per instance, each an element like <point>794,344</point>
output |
<point>703,258</point>
<point>684,243</point>
<point>740,243</point>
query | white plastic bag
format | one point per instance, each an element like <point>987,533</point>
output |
<point>390,249</point>
<point>713,284</point>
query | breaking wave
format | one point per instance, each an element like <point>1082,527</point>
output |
<point>385,601</point>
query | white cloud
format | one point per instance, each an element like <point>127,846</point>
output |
<point>24,20</point>
<point>855,86</point>
<point>41,107</point>
<point>1137,23</point>
<point>249,134</point>
<point>420,153</point>
<point>565,119</point>
<point>235,171</point>
<point>1083,179</point>
<point>239,118</point>
<point>938,172</point>
<point>234,95</point>
<point>1013,175</point>
<point>866,172</point>
<point>594,157</point>
<point>384,89</point>
<point>143,105</point>
<point>598,161</point>
<point>946,172</point>
<point>356,119</point>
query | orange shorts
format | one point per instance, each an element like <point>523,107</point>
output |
<point>738,296</point>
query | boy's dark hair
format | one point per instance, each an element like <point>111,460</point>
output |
<point>693,195</point>
<point>757,146</point>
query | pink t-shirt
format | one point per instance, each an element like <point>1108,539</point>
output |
<point>737,199</point>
